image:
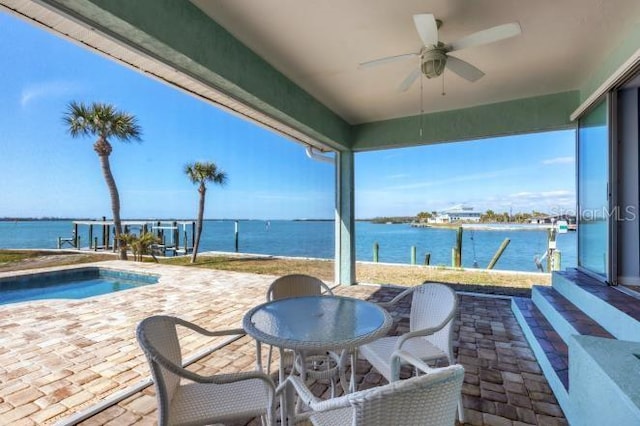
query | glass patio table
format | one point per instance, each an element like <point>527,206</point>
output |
<point>317,324</point>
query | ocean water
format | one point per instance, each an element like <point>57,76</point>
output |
<point>316,239</point>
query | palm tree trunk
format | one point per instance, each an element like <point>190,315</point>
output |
<point>115,203</point>
<point>196,244</point>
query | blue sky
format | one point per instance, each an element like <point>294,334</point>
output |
<point>45,172</point>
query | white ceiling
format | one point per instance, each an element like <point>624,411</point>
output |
<point>318,45</point>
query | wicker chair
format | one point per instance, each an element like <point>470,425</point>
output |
<point>295,285</point>
<point>430,335</point>
<point>428,399</point>
<point>207,399</point>
<point>433,308</point>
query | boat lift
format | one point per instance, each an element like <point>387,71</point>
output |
<point>552,255</point>
<point>174,237</point>
<point>177,245</point>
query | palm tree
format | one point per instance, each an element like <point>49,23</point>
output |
<point>201,173</point>
<point>105,122</point>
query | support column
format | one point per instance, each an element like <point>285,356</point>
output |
<point>345,252</point>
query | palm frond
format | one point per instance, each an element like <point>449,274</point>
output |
<point>202,172</point>
<point>77,118</point>
<point>101,119</point>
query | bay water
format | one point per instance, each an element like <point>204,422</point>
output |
<point>315,239</point>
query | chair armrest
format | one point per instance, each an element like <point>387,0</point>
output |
<point>158,357</point>
<point>218,378</point>
<point>396,360</point>
<point>424,332</point>
<point>209,333</point>
<point>302,390</point>
<point>399,297</point>
<point>221,379</point>
<point>413,334</point>
<point>315,403</point>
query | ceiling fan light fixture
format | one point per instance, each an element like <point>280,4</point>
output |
<point>434,54</point>
<point>433,62</point>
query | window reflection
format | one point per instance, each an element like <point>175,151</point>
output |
<point>593,176</point>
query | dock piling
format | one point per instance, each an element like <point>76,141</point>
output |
<point>176,236</point>
<point>105,232</point>
<point>459,247</point>
<point>556,261</point>
<point>186,248</point>
<point>551,250</point>
<point>427,259</point>
<point>236,235</point>
<point>413,255</point>
<point>496,256</point>
<point>376,251</point>
<point>455,258</point>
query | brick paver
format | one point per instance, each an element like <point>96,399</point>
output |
<point>60,357</point>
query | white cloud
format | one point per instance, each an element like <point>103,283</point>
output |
<point>559,160</point>
<point>46,90</point>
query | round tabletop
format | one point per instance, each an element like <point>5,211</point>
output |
<point>317,322</point>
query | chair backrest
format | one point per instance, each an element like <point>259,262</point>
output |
<point>296,285</point>
<point>158,337</point>
<point>429,399</point>
<point>431,306</point>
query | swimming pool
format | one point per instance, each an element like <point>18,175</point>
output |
<point>77,283</point>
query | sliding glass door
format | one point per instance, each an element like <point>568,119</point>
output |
<point>594,199</point>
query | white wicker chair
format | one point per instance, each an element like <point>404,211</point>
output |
<point>428,399</point>
<point>207,399</point>
<point>430,336</point>
<point>295,285</point>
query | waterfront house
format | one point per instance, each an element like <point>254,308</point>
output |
<point>292,67</point>
<point>457,214</point>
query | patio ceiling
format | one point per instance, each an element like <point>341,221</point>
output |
<point>318,45</point>
<point>292,65</point>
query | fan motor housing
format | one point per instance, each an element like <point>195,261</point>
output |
<point>433,62</point>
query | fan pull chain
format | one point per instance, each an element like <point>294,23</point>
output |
<point>421,103</point>
<point>443,92</point>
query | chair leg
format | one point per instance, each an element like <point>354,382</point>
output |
<point>269,360</point>
<point>259,356</point>
<point>460,411</point>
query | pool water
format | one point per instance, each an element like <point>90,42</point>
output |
<point>76,283</point>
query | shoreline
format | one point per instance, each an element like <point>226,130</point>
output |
<point>497,226</point>
<point>296,258</point>
<point>509,283</point>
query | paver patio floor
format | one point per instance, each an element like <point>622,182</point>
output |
<point>58,358</point>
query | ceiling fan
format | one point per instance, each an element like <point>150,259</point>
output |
<point>435,55</point>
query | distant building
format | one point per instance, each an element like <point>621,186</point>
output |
<point>457,213</point>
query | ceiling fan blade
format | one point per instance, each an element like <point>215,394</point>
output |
<point>464,69</point>
<point>407,82</point>
<point>487,36</point>
<point>388,59</point>
<point>427,28</point>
